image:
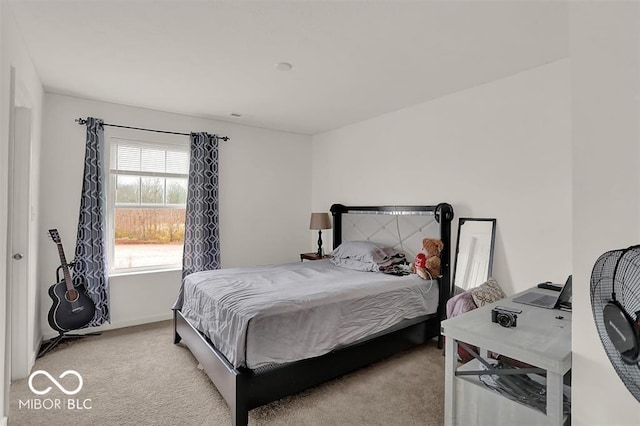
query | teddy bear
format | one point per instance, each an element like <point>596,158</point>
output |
<point>427,262</point>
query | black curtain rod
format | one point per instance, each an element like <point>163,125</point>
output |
<point>82,121</point>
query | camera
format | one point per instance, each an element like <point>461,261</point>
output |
<point>504,318</point>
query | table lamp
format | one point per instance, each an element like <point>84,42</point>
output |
<point>320,221</point>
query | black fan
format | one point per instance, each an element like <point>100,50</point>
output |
<point>615,301</point>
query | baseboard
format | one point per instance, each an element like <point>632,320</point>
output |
<point>114,325</point>
<point>31,361</point>
<point>34,355</point>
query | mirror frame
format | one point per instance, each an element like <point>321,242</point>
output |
<point>462,221</point>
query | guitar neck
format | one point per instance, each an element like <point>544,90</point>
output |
<point>65,267</point>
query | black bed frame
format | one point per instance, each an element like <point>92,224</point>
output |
<point>244,389</point>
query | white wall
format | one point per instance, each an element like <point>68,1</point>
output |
<point>498,150</point>
<point>605,72</point>
<point>264,197</point>
<point>28,93</point>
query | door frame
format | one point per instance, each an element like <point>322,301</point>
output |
<point>20,147</point>
<point>6,376</point>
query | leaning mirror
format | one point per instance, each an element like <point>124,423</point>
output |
<point>474,252</point>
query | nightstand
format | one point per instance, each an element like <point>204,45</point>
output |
<point>312,256</point>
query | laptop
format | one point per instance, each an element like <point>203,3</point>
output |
<point>561,300</point>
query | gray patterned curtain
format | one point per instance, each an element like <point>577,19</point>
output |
<point>90,261</point>
<point>201,241</point>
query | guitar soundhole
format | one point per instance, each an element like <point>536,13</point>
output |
<point>71,295</point>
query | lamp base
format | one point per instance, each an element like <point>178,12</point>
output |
<point>320,251</point>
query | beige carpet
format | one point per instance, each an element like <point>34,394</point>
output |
<point>136,376</point>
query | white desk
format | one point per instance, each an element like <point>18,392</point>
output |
<point>540,339</point>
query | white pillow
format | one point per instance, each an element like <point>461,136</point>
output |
<point>363,251</point>
<point>356,265</point>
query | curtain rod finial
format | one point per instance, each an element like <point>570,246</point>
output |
<point>81,121</point>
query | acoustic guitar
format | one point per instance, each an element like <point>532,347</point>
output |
<point>72,309</point>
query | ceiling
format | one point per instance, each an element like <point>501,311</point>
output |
<point>351,60</point>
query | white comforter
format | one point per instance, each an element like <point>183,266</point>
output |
<point>281,313</point>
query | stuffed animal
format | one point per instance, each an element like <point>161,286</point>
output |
<point>427,262</point>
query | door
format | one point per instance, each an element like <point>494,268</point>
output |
<point>19,224</point>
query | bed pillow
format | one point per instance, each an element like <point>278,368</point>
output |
<point>488,292</point>
<point>363,251</point>
<point>356,265</point>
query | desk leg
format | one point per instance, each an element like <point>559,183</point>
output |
<point>483,352</point>
<point>450,366</point>
<point>554,398</point>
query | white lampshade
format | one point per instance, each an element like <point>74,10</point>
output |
<point>320,221</point>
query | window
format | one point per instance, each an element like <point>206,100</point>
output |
<point>148,194</point>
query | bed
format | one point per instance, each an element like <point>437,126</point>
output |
<point>263,359</point>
